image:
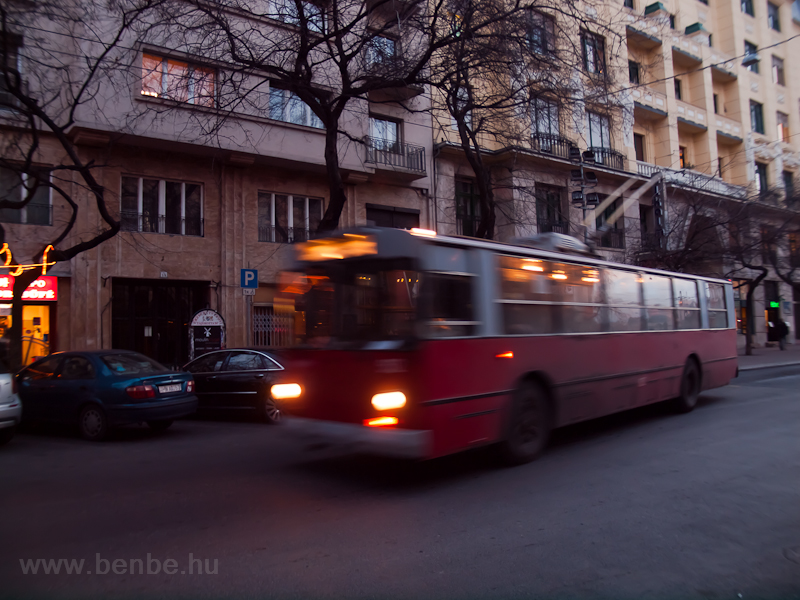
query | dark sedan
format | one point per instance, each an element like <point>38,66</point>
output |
<point>237,379</point>
<point>101,389</point>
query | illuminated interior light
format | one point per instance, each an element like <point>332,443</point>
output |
<point>331,255</point>
<point>558,275</point>
<point>389,400</point>
<point>532,268</point>
<point>590,279</point>
<point>286,391</point>
<point>505,355</point>
<point>423,232</point>
<point>381,422</point>
<point>355,235</point>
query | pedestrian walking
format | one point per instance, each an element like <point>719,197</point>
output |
<point>783,331</point>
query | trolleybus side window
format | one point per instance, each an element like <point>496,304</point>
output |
<point>448,309</point>
<point>623,295</point>
<point>657,292</point>
<point>717,309</point>
<point>687,305</point>
<point>527,295</point>
<point>580,290</point>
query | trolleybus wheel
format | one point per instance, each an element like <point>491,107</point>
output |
<point>529,426</point>
<point>690,387</point>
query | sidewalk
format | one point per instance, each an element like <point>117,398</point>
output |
<point>763,358</point>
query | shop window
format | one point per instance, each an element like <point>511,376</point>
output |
<point>178,80</point>
<point>287,218</point>
<point>17,187</point>
<point>286,106</point>
<point>160,206</point>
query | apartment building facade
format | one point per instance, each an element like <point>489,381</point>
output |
<point>679,117</point>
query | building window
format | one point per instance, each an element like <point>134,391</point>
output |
<point>541,33</point>
<point>756,116</point>
<point>773,16</point>
<point>788,185</point>
<point>599,131</point>
<point>611,235</point>
<point>286,11</point>
<point>286,218</point>
<point>710,40</point>
<point>716,104</point>
<point>468,207</point>
<point>17,187</point>
<point>385,134</point>
<point>747,8</point>
<point>778,76</point>
<point>177,80</point>
<point>549,212</point>
<point>544,117</point>
<point>782,120</point>
<point>594,53</point>
<point>762,184</point>
<point>11,69</point>
<point>287,107</point>
<point>392,216</point>
<point>159,206</point>
<point>461,102</point>
<point>628,3</point>
<point>678,93</point>
<point>381,52</point>
<point>751,49</point>
<point>633,72</point>
<point>638,145</point>
<point>683,157</point>
<point>672,21</point>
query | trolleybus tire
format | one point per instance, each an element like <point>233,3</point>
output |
<point>528,427</point>
<point>690,387</point>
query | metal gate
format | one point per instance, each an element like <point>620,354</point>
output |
<point>270,329</point>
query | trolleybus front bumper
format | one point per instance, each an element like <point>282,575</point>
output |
<point>383,441</point>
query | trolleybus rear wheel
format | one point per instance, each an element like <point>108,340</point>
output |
<point>690,387</point>
<point>529,426</point>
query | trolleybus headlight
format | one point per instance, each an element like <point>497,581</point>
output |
<point>286,391</point>
<point>389,400</point>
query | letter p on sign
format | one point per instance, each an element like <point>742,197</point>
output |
<point>249,278</point>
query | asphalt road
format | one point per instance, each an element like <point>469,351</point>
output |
<point>645,504</point>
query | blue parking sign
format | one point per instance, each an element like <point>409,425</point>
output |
<point>249,278</point>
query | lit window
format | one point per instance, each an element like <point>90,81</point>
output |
<point>177,80</point>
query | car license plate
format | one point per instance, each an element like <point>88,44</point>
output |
<point>166,389</point>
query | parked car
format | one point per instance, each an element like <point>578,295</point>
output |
<point>10,406</point>
<point>238,379</point>
<point>102,389</point>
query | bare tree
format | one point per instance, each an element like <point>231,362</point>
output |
<point>55,58</point>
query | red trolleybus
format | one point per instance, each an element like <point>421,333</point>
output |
<point>416,345</point>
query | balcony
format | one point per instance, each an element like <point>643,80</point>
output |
<point>646,169</point>
<point>704,183</point>
<point>608,157</point>
<point>548,226</point>
<point>648,103</point>
<point>554,145</point>
<point>691,118</point>
<point>728,130</point>
<point>395,155</point>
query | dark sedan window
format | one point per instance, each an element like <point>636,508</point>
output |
<point>132,364</point>
<point>77,367</point>
<point>207,364</point>
<point>244,361</point>
<point>44,369</point>
<point>271,363</point>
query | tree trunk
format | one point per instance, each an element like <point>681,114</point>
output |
<point>338,195</point>
<point>751,317</point>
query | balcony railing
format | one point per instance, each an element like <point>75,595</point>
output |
<point>646,169</point>
<point>703,182</point>
<point>147,223</point>
<point>281,235</point>
<point>395,154</point>
<point>548,143</point>
<point>612,239</point>
<point>547,226</point>
<point>608,158</point>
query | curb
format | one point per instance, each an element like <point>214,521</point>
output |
<point>771,366</point>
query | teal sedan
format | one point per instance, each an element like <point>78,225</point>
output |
<point>101,389</point>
